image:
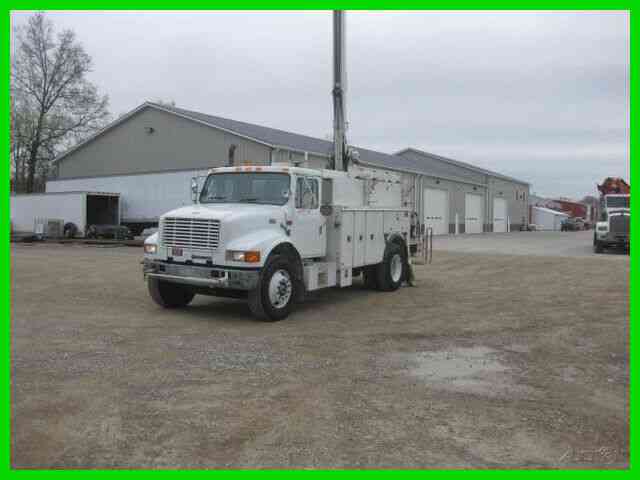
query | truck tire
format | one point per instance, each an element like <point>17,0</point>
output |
<point>273,297</point>
<point>70,230</point>
<point>370,276</point>
<point>598,247</point>
<point>391,271</point>
<point>169,295</point>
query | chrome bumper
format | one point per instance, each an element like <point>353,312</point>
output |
<point>614,238</point>
<point>201,276</point>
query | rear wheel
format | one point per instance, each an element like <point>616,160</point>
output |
<point>70,230</point>
<point>273,297</point>
<point>169,295</point>
<point>391,271</point>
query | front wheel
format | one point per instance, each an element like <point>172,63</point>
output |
<point>169,295</point>
<point>598,247</point>
<point>272,299</point>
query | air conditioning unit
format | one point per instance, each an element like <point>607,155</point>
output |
<point>48,228</point>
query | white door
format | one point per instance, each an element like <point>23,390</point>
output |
<point>499,215</point>
<point>473,218</point>
<point>308,229</point>
<point>436,208</point>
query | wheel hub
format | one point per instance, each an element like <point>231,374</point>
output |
<point>396,267</point>
<point>280,289</point>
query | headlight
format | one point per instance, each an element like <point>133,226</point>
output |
<point>603,228</point>
<point>150,248</point>
<point>250,256</point>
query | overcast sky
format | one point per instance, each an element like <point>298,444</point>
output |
<point>540,96</point>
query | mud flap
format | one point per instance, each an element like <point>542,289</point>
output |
<point>410,275</point>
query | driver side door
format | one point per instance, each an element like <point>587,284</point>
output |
<point>308,229</point>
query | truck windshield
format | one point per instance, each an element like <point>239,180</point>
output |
<point>617,202</point>
<point>246,187</point>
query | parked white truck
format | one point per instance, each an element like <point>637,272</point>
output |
<point>613,227</point>
<point>271,234</point>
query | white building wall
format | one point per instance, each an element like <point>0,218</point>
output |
<point>546,219</point>
<point>68,207</point>
<point>143,197</point>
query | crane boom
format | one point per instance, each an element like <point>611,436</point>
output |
<point>338,92</point>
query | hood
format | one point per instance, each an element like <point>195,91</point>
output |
<point>225,211</point>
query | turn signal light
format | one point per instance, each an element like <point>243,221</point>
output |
<point>250,256</point>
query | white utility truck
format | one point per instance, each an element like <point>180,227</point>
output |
<point>270,234</point>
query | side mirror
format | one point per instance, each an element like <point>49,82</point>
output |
<point>194,190</point>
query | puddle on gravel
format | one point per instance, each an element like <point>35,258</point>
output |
<point>457,363</point>
<point>478,370</point>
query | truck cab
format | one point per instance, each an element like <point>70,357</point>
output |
<point>613,226</point>
<point>270,234</point>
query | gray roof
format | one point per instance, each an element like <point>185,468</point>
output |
<point>416,156</point>
<point>272,136</point>
<point>294,141</point>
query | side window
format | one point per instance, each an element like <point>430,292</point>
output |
<point>307,193</point>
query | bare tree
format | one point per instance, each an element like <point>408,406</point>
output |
<point>53,103</point>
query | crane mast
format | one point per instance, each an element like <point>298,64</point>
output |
<point>338,92</point>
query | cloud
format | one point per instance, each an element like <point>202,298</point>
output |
<point>540,96</point>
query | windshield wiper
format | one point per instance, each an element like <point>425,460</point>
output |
<point>217,197</point>
<point>249,199</point>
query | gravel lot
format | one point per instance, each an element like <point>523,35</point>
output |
<point>553,244</point>
<point>491,360</point>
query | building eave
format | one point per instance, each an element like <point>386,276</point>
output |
<point>462,165</point>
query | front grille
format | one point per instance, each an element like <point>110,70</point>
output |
<point>192,233</point>
<point>619,223</point>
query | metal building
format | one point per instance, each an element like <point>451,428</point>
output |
<point>150,155</point>
<point>547,219</point>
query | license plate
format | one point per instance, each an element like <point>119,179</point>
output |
<point>176,252</point>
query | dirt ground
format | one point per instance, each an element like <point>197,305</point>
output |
<point>491,360</point>
<point>544,243</point>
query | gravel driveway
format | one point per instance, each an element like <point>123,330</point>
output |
<point>491,360</point>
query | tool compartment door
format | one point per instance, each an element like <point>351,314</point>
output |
<point>359,230</point>
<point>346,238</point>
<point>374,238</point>
<point>392,222</point>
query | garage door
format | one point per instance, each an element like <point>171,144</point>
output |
<point>436,207</point>
<point>499,215</point>
<point>473,213</point>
